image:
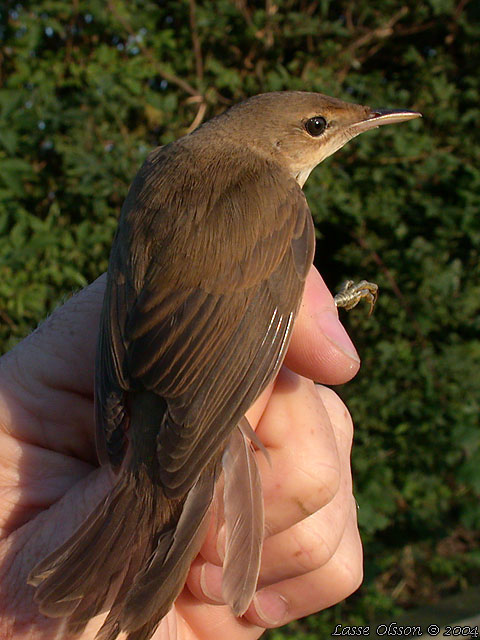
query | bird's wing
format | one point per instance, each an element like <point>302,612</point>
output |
<point>205,331</point>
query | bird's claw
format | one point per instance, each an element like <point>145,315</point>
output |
<point>350,294</point>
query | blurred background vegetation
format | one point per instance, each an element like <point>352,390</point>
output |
<point>88,87</point>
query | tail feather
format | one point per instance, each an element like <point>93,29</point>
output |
<point>111,625</point>
<point>171,560</point>
<point>103,598</point>
<point>244,523</point>
<point>91,558</point>
<point>131,556</point>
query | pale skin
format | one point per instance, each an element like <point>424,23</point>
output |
<point>49,479</point>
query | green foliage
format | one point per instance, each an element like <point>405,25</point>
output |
<point>87,88</point>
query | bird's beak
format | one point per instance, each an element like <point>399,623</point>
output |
<point>377,117</point>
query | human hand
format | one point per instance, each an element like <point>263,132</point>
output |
<point>49,479</point>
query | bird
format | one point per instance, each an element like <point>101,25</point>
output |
<point>206,274</point>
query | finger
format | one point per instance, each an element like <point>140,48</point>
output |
<point>311,543</point>
<point>320,348</point>
<point>33,478</point>
<point>336,580</point>
<point>302,473</point>
<point>66,340</point>
<point>298,597</point>
<point>59,356</point>
<point>209,621</point>
<point>48,378</point>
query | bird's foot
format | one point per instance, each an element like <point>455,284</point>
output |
<point>350,294</point>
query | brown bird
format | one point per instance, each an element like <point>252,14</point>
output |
<point>206,275</point>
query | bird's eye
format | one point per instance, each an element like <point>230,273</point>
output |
<point>316,125</point>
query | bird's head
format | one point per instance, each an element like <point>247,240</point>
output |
<point>299,129</point>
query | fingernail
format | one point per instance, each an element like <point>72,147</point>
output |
<point>335,332</point>
<point>270,606</point>
<point>211,582</point>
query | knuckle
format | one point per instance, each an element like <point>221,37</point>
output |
<point>355,578</point>
<point>320,483</point>
<point>350,571</point>
<point>310,549</point>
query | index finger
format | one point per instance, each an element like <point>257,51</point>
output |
<point>57,360</point>
<point>320,348</point>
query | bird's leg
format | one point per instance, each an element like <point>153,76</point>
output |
<point>350,294</point>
